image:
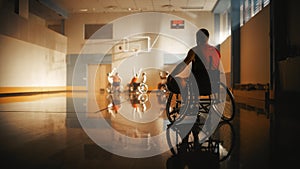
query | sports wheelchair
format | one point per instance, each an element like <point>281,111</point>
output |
<point>138,88</point>
<point>220,101</point>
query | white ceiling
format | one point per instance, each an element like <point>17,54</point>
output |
<point>91,6</point>
<point>56,10</point>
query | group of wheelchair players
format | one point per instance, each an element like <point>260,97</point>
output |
<point>136,85</point>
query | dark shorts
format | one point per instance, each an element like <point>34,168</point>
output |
<point>116,83</point>
<point>203,88</point>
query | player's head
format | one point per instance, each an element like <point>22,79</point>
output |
<point>202,36</point>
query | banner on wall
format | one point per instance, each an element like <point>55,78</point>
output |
<point>177,24</point>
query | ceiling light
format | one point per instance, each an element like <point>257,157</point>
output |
<point>167,6</point>
<point>110,7</point>
<point>192,7</point>
<point>83,10</point>
<point>134,9</point>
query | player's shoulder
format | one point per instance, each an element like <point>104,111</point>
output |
<point>191,52</point>
<point>210,47</point>
<point>193,49</point>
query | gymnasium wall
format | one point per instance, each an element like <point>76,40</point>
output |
<point>32,57</point>
<point>255,49</point>
<point>74,29</point>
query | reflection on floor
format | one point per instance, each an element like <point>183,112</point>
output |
<point>64,130</point>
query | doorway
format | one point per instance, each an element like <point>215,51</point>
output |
<point>97,77</point>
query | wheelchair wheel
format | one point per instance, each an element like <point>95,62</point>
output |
<point>176,107</point>
<point>222,140</point>
<point>173,148</point>
<point>220,143</point>
<point>224,103</point>
<point>143,88</point>
<point>163,88</point>
<point>130,88</point>
<point>109,89</point>
<point>143,98</point>
<point>180,140</point>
